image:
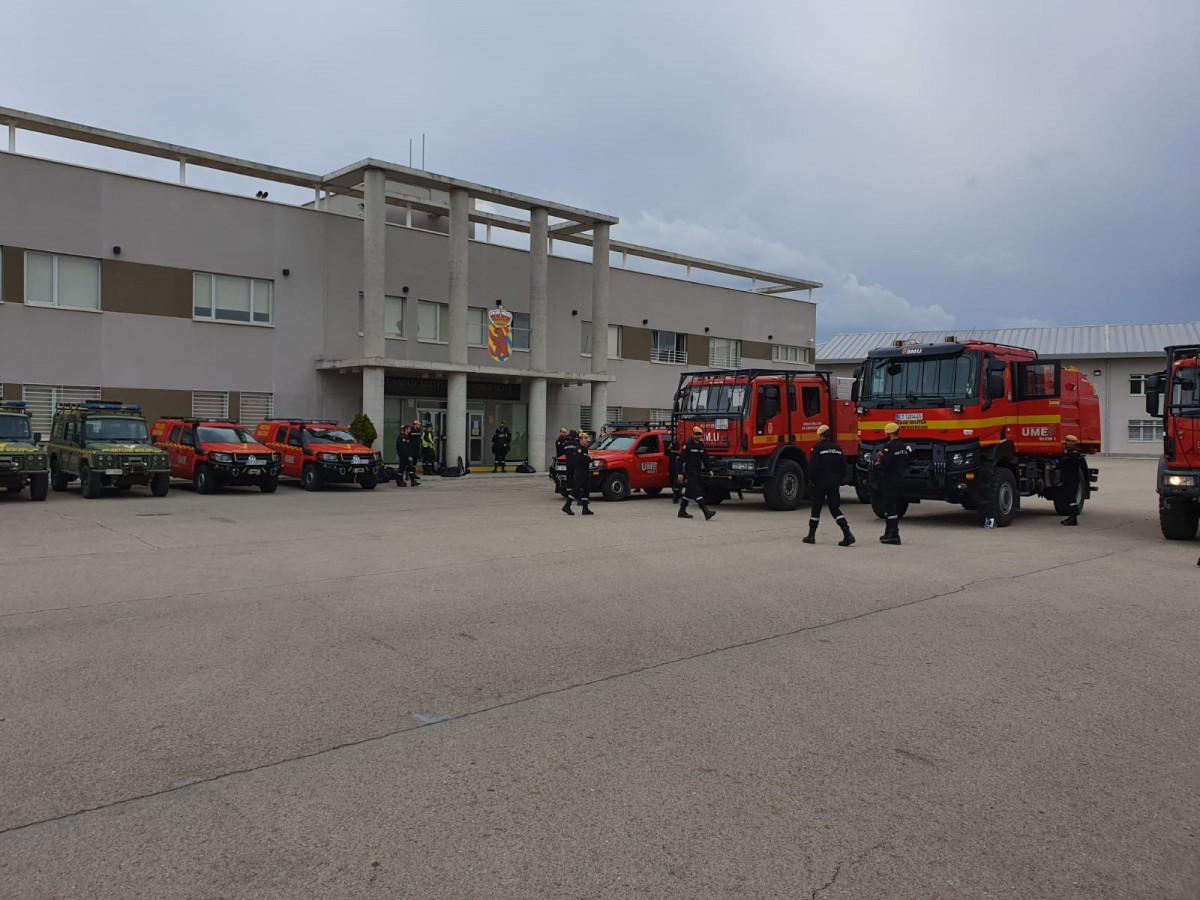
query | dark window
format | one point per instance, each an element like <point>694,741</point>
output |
<point>812,401</point>
<point>1037,379</point>
<point>293,438</point>
<point>174,438</point>
<point>188,439</point>
<point>649,444</point>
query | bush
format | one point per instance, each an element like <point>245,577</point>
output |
<point>363,430</point>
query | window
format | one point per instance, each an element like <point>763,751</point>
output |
<point>668,347</point>
<point>228,298</point>
<point>785,353</point>
<point>724,353</point>
<point>660,414</point>
<point>393,316</point>
<point>1037,379</point>
<point>210,404</point>
<point>52,279</point>
<point>257,406</point>
<point>477,326</point>
<point>188,438</point>
<point>615,414</point>
<point>1145,430</point>
<point>520,331</point>
<point>585,418</point>
<point>649,444</point>
<point>42,400</point>
<point>1137,385</point>
<point>811,397</point>
<point>173,438</point>
<point>433,321</point>
<point>614,340</point>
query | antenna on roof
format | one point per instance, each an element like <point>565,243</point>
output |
<point>423,151</point>
<point>410,153</point>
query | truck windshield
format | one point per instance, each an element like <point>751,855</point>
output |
<point>714,399</point>
<point>329,436</point>
<point>616,442</point>
<point>1185,392</point>
<point>14,428</point>
<point>226,434</point>
<point>115,429</point>
<point>934,380</point>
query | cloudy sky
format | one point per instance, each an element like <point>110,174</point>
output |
<point>935,164</point>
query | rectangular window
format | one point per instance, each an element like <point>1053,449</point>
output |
<point>1145,430</point>
<point>229,298</point>
<point>520,331</point>
<point>724,353</point>
<point>52,279</point>
<point>433,321</point>
<point>614,340</point>
<point>1137,385</point>
<point>660,414</point>
<point>476,326</point>
<point>210,404</point>
<point>393,316</point>
<point>42,400</point>
<point>786,353</point>
<point>585,418</point>
<point>257,406</point>
<point>668,347</point>
<point>615,414</point>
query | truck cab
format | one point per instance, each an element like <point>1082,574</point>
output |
<point>23,463</point>
<point>1178,482</point>
<point>320,452</point>
<point>214,452</point>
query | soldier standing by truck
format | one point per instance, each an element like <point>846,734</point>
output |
<point>428,450</point>
<point>694,465</point>
<point>1073,471</point>
<point>827,468</point>
<point>890,465</point>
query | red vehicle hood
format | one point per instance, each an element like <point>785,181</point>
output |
<point>358,449</point>
<point>251,447</point>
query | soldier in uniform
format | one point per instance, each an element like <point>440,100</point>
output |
<point>827,467</point>
<point>560,442</point>
<point>693,464</point>
<point>1073,470</point>
<point>402,456</point>
<point>501,441</point>
<point>579,470</point>
<point>890,465</point>
<point>428,450</point>
<point>413,453</point>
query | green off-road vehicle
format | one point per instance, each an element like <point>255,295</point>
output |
<point>105,443</point>
<point>22,461</point>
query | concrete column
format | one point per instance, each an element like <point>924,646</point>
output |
<point>537,423</point>
<point>456,385</point>
<point>539,331</point>
<point>12,138</point>
<point>183,171</point>
<point>374,269</point>
<point>600,281</point>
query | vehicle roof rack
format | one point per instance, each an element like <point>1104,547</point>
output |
<point>103,406</point>
<point>636,426</point>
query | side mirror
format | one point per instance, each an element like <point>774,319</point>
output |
<point>995,379</point>
<point>854,391</point>
<point>37,437</point>
<point>1154,386</point>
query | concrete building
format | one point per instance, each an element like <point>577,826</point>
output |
<point>372,297</point>
<point>1115,358</point>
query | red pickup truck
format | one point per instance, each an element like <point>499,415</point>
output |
<point>632,457</point>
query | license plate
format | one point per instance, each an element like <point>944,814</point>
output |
<point>252,460</point>
<point>254,471</point>
<point>358,460</point>
<point>114,471</point>
<point>560,469</point>
<point>721,424</point>
<point>358,469</point>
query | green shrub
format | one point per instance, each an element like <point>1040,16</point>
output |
<point>363,430</point>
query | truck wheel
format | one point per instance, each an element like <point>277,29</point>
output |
<point>311,479</point>
<point>90,482</point>
<point>876,501</point>
<point>268,485</point>
<point>862,492</point>
<point>615,486</point>
<point>1062,505</point>
<point>652,492</point>
<point>58,480</point>
<point>39,486</point>
<point>1179,520</point>
<point>160,484</point>
<point>785,490</point>
<point>368,482</point>
<point>204,480</point>
<point>998,499</point>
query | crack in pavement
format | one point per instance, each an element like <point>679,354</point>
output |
<point>518,701</point>
<point>854,861</point>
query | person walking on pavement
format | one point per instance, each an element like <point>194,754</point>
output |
<point>694,463</point>
<point>827,468</point>
<point>1073,471</point>
<point>890,465</point>
<point>428,450</point>
<point>501,441</point>
<point>579,470</point>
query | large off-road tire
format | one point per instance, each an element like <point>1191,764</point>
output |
<point>269,484</point>
<point>876,501</point>
<point>1179,519</point>
<point>311,478</point>
<point>615,487</point>
<point>160,484</point>
<point>39,486</point>
<point>785,490</point>
<point>998,497</point>
<point>90,483</point>
<point>1062,504</point>
<point>204,480</point>
<point>368,482</point>
<point>58,478</point>
<point>862,492</point>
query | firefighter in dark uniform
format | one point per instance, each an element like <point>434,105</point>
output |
<point>402,459</point>
<point>501,441</point>
<point>693,464</point>
<point>579,470</point>
<point>428,450</point>
<point>827,467</point>
<point>560,442</point>
<point>890,465</point>
<point>1073,472</point>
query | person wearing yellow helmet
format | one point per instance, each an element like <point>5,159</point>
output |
<point>827,468</point>
<point>1073,474</point>
<point>693,464</point>
<point>890,465</point>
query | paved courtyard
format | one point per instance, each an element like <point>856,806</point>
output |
<point>238,696</point>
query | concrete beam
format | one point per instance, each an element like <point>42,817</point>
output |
<point>426,367</point>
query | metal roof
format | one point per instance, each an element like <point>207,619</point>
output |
<point>1090,341</point>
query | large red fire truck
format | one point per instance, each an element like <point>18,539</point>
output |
<point>1179,466</point>
<point>759,428</point>
<point>985,424</point>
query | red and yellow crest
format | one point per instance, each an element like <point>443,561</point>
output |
<point>500,333</point>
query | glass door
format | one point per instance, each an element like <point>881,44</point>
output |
<point>438,418</point>
<point>475,437</point>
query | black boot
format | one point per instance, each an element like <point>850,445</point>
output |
<point>847,537</point>
<point>708,513</point>
<point>1070,520</point>
<point>811,537</point>
<point>683,513</point>
<point>675,496</point>
<point>587,510</point>
<point>495,468</point>
<point>566,507</point>
<point>891,533</point>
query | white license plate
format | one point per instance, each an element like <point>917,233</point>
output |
<point>358,469</point>
<point>358,460</point>
<point>721,424</point>
<point>114,471</point>
<point>254,471</point>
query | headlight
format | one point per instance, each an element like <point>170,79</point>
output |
<point>599,464</point>
<point>1181,480</point>
<point>327,457</point>
<point>963,459</point>
<point>223,457</point>
<point>274,457</point>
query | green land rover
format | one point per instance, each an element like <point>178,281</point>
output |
<point>22,461</point>
<point>105,443</point>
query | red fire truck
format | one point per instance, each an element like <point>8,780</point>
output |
<point>985,423</point>
<point>1179,466</point>
<point>760,426</point>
